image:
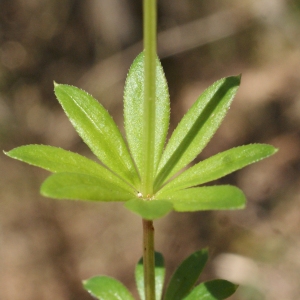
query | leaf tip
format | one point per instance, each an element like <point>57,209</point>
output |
<point>55,84</point>
<point>44,188</point>
<point>43,192</point>
<point>205,250</point>
<point>271,149</point>
<point>10,153</point>
<point>235,80</point>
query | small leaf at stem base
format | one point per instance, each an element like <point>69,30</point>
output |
<point>106,288</point>
<point>159,276</point>
<point>186,275</point>
<point>149,209</point>
<point>212,290</point>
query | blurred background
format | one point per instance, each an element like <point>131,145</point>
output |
<point>47,247</point>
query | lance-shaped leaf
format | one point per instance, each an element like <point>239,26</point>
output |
<point>133,110</point>
<point>220,165</point>
<point>149,209</point>
<point>205,198</point>
<point>75,186</point>
<point>159,276</point>
<point>186,275</point>
<point>58,160</point>
<point>196,128</point>
<point>212,290</point>
<point>98,130</point>
<point>107,288</point>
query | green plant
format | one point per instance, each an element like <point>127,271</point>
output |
<point>142,175</point>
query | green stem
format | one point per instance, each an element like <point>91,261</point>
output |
<point>149,141</point>
<point>149,95</point>
<point>149,260</point>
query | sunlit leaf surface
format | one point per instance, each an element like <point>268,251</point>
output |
<point>217,197</point>
<point>98,130</point>
<point>133,110</point>
<point>196,128</point>
<point>58,160</point>
<point>82,187</point>
<point>220,165</point>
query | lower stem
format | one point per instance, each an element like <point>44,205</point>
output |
<point>149,260</point>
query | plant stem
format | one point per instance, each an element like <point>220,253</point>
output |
<point>149,95</point>
<point>149,260</point>
<point>149,141</point>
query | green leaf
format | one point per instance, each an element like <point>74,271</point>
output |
<point>98,130</point>
<point>186,275</point>
<point>58,160</point>
<point>82,187</point>
<point>149,209</point>
<point>205,198</point>
<point>159,276</point>
<point>133,110</point>
<point>107,288</point>
<point>196,128</point>
<point>220,165</point>
<point>212,290</point>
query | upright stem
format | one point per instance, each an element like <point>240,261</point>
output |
<point>149,260</point>
<point>149,141</point>
<point>149,95</point>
